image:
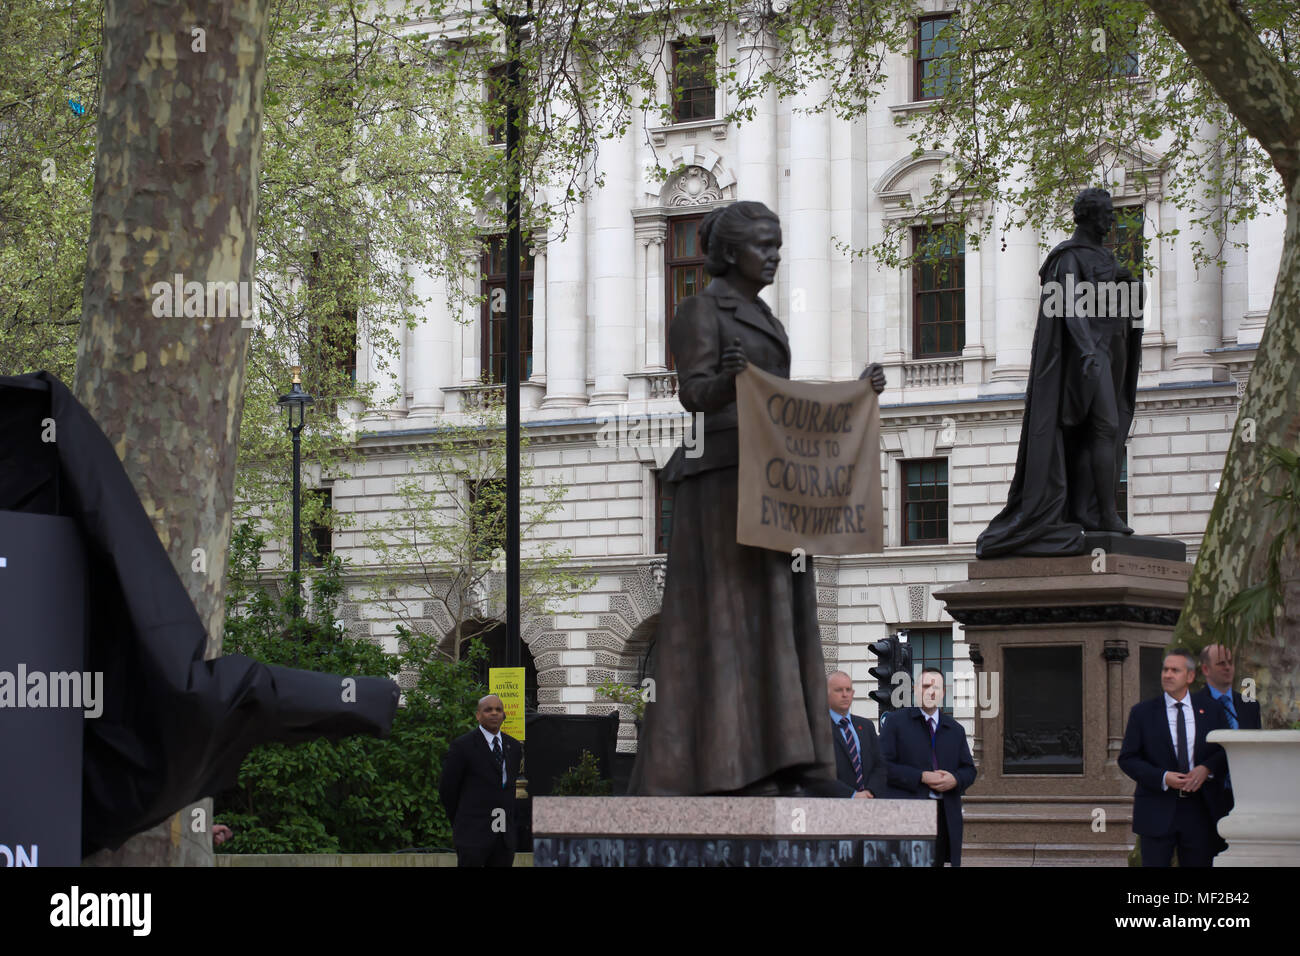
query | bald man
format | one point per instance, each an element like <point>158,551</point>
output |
<point>858,763</point>
<point>478,789</point>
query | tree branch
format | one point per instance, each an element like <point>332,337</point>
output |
<point>1261,93</point>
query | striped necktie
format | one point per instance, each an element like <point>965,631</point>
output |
<point>497,756</point>
<point>853,753</point>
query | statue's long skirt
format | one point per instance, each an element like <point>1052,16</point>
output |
<point>740,680</point>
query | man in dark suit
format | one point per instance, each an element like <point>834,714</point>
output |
<point>1166,753</point>
<point>858,763</point>
<point>478,789</point>
<point>926,757</point>
<point>1218,669</point>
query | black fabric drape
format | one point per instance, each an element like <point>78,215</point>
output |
<point>175,727</point>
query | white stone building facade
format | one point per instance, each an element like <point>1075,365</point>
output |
<point>599,314</point>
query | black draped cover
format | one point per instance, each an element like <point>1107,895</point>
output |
<point>174,728</point>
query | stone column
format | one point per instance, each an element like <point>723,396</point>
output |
<point>383,368</point>
<point>611,258</point>
<point>1199,288</point>
<point>973,354</point>
<point>539,314</point>
<point>1016,293</point>
<point>428,363</point>
<point>1115,653</point>
<point>566,313</point>
<point>842,134</point>
<point>756,173</point>
<point>977,735</point>
<point>807,234</point>
<point>650,242</point>
<point>1263,254</point>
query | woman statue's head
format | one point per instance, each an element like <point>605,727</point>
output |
<point>743,238</point>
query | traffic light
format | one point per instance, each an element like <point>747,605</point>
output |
<point>895,655</point>
<point>887,652</point>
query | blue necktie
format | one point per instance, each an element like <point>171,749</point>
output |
<point>1232,711</point>
<point>496,756</point>
<point>853,753</point>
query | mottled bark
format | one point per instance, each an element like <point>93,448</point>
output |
<point>176,178</point>
<point>1265,96</point>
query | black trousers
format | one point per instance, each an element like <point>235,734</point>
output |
<point>943,842</point>
<point>496,853</point>
<point>1192,835</point>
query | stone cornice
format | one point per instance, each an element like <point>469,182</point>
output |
<point>992,408</point>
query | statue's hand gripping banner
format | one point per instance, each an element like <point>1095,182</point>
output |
<point>809,465</point>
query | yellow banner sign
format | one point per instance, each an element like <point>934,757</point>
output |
<point>508,684</point>
<point>809,465</point>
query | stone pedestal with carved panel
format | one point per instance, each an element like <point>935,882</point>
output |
<point>1063,648</point>
<point>732,832</point>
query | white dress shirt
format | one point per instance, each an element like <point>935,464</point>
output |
<point>1189,721</point>
<point>489,737</point>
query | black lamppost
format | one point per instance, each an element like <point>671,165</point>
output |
<point>295,405</point>
<point>515,25</point>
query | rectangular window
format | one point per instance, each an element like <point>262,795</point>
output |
<point>496,107</point>
<point>932,647</point>
<point>333,338</point>
<point>1124,64</point>
<point>683,268</point>
<point>494,311</point>
<point>694,79</point>
<point>663,514</point>
<point>1125,239</point>
<point>925,501</point>
<point>936,48</point>
<point>320,536</point>
<point>938,293</point>
<point>487,517</point>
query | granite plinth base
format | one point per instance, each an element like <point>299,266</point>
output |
<point>1063,648</point>
<point>731,831</point>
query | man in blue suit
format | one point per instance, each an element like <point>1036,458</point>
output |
<point>926,757</point>
<point>1166,753</point>
<point>1218,668</point>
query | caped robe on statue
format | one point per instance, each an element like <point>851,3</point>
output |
<point>1039,518</point>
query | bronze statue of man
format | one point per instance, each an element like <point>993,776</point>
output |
<point>1079,399</point>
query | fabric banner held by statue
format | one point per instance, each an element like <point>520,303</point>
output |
<point>809,465</point>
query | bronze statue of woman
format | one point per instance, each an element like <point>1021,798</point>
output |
<point>740,681</point>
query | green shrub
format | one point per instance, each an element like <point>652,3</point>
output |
<point>584,780</point>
